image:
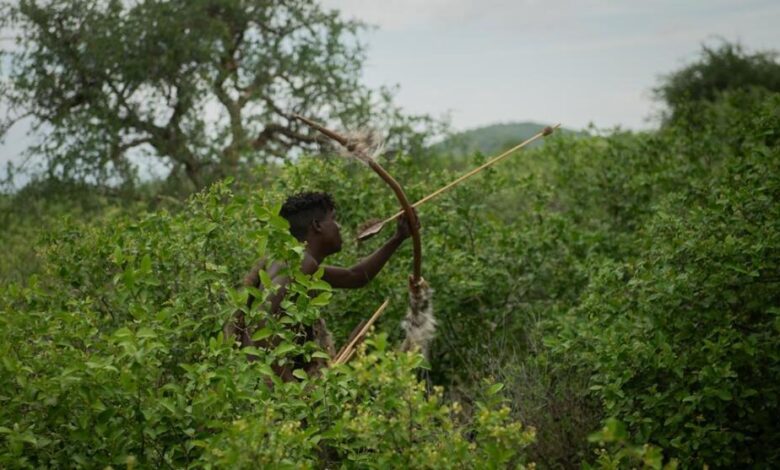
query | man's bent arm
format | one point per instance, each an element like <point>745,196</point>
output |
<point>366,269</point>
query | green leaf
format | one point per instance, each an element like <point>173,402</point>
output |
<point>262,334</point>
<point>723,394</point>
<point>279,222</point>
<point>284,348</point>
<point>98,406</point>
<point>265,279</point>
<point>118,256</point>
<point>145,333</point>
<point>251,350</point>
<point>261,212</point>
<point>322,299</point>
<point>168,404</point>
<point>254,292</point>
<point>128,277</point>
<point>261,245</point>
<point>146,264</point>
<point>211,227</point>
<point>320,285</point>
<point>123,333</point>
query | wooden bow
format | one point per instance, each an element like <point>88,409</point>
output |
<point>359,152</point>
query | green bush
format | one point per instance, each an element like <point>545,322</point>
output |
<point>630,276</point>
<point>682,339</point>
<point>114,356</point>
<point>615,451</point>
<point>375,414</point>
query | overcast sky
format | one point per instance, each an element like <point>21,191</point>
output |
<point>487,61</point>
<point>575,62</point>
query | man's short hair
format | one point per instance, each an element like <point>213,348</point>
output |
<point>302,209</point>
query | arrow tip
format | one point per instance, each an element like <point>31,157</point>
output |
<point>370,229</point>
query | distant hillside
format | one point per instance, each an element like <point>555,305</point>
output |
<point>490,139</point>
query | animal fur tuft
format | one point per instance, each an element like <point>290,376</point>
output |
<point>419,323</point>
<point>365,145</point>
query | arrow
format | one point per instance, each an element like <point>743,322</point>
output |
<point>375,228</point>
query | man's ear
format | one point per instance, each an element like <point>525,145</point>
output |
<point>316,226</point>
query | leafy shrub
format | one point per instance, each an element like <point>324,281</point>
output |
<point>628,276</point>
<point>375,414</point>
<point>616,451</point>
<point>682,338</point>
<point>114,356</point>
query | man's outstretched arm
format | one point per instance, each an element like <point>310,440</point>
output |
<point>366,269</point>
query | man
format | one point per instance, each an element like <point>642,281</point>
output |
<point>312,218</point>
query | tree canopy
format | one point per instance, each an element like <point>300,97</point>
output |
<point>718,69</point>
<point>204,85</point>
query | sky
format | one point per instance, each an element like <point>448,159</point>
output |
<point>479,62</point>
<point>575,62</point>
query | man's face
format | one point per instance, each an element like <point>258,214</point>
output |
<point>331,232</point>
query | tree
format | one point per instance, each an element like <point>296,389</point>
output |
<point>721,69</point>
<point>205,85</point>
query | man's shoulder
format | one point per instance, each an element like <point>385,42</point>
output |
<point>309,264</point>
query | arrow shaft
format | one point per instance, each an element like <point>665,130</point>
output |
<point>473,172</point>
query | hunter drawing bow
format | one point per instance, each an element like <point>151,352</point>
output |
<point>419,322</point>
<point>360,149</point>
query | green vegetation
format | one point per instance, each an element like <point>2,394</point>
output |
<point>114,355</point>
<point>720,69</point>
<point>604,302</point>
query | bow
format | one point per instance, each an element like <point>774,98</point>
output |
<point>361,150</point>
<point>419,323</point>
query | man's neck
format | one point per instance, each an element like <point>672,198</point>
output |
<point>312,251</point>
